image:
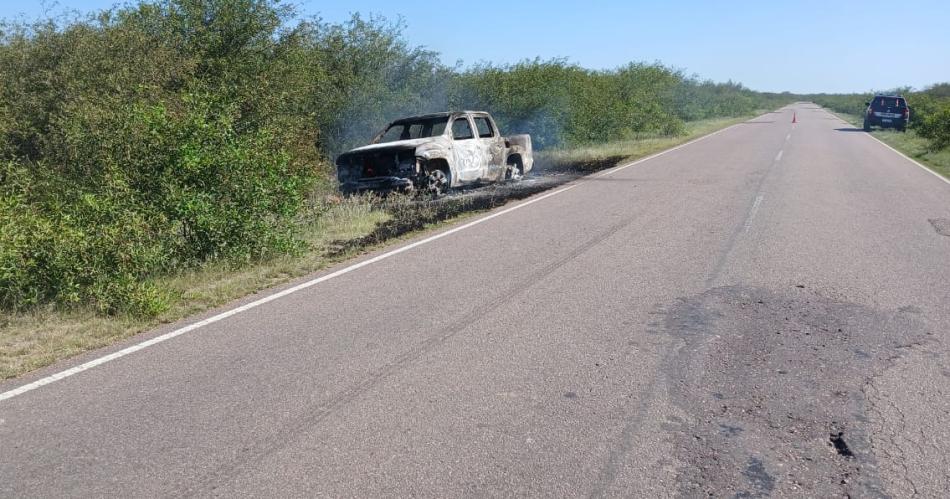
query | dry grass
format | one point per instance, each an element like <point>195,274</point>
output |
<point>600,156</point>
<point>32,340</point>
<point>335,230</point>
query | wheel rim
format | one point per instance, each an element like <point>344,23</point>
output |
<point>514,172</point>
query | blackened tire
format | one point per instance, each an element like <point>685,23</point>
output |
<point>867,126</point>
<point>438,182</point>
<point>515,170</point>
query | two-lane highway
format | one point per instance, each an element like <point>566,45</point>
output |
<point>762,311</point>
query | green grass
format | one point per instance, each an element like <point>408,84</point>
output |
<point>908,143</point>
<point>336,231</point>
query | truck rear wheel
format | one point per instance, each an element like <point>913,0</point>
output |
<point>515,170</point>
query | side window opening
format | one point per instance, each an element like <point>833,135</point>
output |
<point>461,130</point>
<point>484,128</point>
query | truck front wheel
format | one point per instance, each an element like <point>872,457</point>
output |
<point>438,182</point>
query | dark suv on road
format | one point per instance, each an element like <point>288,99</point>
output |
<point>887,111</point>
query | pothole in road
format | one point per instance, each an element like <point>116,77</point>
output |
<point>941,225</point>
<point>841,447</point>
<point>782,366</point>
<point>759,477</point>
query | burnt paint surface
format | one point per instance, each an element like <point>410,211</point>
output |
<point>403,164</point>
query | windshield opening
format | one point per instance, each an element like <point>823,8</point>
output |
<point>414,129</point>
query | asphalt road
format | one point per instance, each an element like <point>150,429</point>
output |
<point>762,312</point>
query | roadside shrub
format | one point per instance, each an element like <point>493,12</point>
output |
<point>930,114</point>
<point>372,77</point>
<point>163,192</point>
<point>560,103</point>
<point>843,103</point>
<point>936,127</point>
<point>532,96</point>
<point>145,140</point>
<point>633,100</point>
<point>232,195</point>
<point>69,247</point>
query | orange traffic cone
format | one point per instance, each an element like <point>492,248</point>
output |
<point>794,117</point>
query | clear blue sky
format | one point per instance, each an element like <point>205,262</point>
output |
<point>801,46</point>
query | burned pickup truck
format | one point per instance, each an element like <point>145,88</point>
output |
<point>434,153</point>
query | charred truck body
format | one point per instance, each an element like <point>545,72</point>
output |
<point>435,153</point>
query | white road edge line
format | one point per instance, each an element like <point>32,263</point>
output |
<point>912,160</point>
<point>908,158</point>
<point>223,315</point>
<point>256,303</point>
<point>641,160</point>
<point>778,157</point>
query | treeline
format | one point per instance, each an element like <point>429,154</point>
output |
<point>560,103</point>
<point>929,109</point>
<point>160,136</point>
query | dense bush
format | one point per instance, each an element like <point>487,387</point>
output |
<point>374,76</point>
<point>696,99</point>
<point>561,103</point>
<point>68,246</point>
<point>930,114</point>
<point>842,103</point>
<point>633,100</point>
<point>936,126</point>
<point>169,133</point>
<point>144,140</point>
<point>529,97</point>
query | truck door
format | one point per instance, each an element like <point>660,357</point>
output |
<point>465,150</point>
<point>491,146</point>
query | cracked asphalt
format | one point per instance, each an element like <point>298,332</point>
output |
<point>762,313</point>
